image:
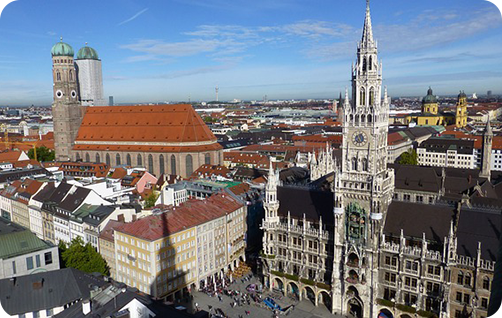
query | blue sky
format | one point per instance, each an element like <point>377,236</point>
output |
<point>175,49</point>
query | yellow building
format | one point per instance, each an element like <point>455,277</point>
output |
<point>431,115</point>
<point>157,254</point>
<point>461,110</point>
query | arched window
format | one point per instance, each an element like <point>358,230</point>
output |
<point>467,280</point>
<point>189,165</point>
<point>98,159</point>
<point>351,118</point>
<point>117,159</point>
<point>372,96</point>
<point>363,119</point>
<point>364,64</point>
<point>369,118</point>
<point>107,159</point>
<point>362,97</point>
<point>486,283</point>
<point>150,163</point>
<point>370,63</point>
<point>77,157</point>
<point>357,120</point>
<point>58,76</point>
<point>207,159</point>
<point>161,164</point>
<point>365,164</point>
<point>128,160</point>
<point>87,157</point>
<point>173,164</point>
<point>460,278</point>
<point>354,164</point>
<point>139,160</point>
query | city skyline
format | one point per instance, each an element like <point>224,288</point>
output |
<point>286,50</point>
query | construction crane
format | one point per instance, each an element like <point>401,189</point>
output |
<point>7,142</point>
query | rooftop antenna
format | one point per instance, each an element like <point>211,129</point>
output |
<point>216,90</point>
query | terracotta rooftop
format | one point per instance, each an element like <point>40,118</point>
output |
<point>166,127</point>
<point>173,220</point>
<point>210,170</point>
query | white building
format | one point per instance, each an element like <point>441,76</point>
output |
<point>448,153</point>
<point>90,77</point>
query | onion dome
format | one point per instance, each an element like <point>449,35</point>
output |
<point>62,49</point>
<point>87,53</point>
<point>430,98</point>
<point>462,95</point>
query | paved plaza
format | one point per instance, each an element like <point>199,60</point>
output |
<point>302,309</point>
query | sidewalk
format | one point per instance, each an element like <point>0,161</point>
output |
<point>303,309</point>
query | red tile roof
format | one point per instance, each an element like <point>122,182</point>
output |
<point>176,219</point>
<point>205,171</point>
<point>167,127</point>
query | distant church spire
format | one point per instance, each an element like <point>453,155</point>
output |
<point>367,39</point>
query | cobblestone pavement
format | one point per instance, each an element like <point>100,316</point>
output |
<point>303,309</point>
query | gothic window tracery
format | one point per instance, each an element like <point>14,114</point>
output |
<point>364,64</point>
<point>362,97</point>
<point>372,96</point>
<point>370,63</point>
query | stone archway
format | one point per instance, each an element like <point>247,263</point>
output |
<point>278,284</point>
<point>355,308</point>
<point>324,298</point>
<point>385,313</point>
<point>293,290</point>
<point>308,293</point>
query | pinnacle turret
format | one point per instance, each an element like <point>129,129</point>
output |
<point>367,39</point>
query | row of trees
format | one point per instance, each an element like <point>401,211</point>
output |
<point>82,256</point>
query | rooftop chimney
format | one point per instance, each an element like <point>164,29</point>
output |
<point>86,307</point>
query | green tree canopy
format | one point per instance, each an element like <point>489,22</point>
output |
<point>43,154</point>
<point>150,200</point>
<point>408,158</point>
<point>83,257</point>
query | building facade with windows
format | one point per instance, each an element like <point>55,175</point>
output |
<point>23,253</point>
<point>164,255</point>
<point>166,139</point>
<point>366,238</point>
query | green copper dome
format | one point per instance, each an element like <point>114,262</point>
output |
<point>430,98</point>
<point>62,49</point>
<point>87,53</point>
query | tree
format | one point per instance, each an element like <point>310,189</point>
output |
<point>83,257</point>
<point>43,154</point>
<point>408,158</point>
<point>150,200</point>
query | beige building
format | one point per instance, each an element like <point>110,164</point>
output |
<point>159,254</point>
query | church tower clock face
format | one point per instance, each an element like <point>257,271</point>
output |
<point>359,138</point>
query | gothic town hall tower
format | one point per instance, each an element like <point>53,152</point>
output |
<point>364,186</point>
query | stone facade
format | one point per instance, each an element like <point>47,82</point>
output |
<point>160,163</point>
<point>66,109</point>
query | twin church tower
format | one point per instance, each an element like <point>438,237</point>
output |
<point>77,83</point>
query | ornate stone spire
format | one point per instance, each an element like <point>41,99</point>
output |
<point>367,40</point>
<point>488,129</point>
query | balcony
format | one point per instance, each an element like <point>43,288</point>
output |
<point>410,288</point>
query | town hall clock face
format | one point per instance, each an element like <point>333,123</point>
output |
<point>359,138</point>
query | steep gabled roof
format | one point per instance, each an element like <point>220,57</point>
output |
<point>164,127</point>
